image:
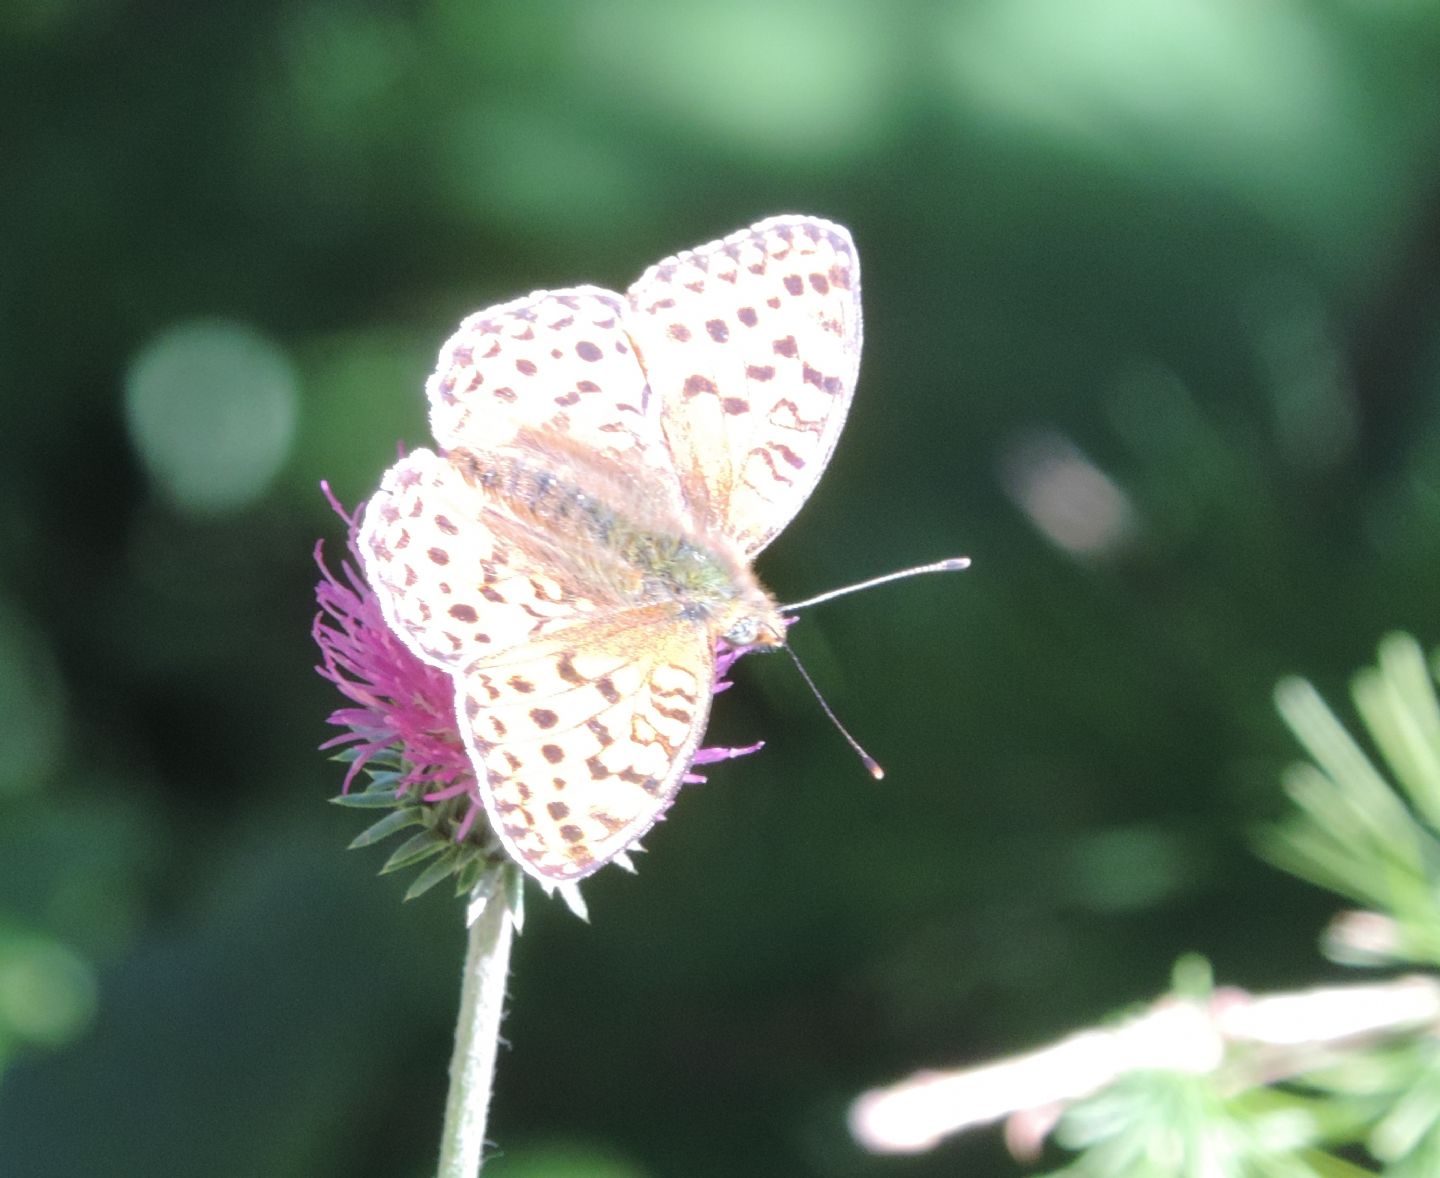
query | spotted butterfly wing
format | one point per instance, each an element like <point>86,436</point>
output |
<point>559,363</point>
<point>753,346</point>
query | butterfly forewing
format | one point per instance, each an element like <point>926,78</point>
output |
<point>559,362</point>
<point>753,346</point>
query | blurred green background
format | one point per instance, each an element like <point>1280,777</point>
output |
<point>1153,333</point>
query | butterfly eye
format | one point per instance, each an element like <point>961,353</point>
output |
<point>743,632</point>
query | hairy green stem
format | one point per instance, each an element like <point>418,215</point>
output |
<point>477,1037</point>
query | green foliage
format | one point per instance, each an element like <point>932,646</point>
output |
<point>434,845</point>
<point>1368,833</point>
<point>1356,833</point>
<point>1172,1125</point>
<point>1375,838</point>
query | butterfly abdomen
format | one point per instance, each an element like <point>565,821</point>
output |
<point>534,492</point>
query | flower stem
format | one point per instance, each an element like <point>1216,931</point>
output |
<point>477,1037</point>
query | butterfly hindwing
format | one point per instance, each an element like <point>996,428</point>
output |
<point>459,577</point>
<point>584,740</point>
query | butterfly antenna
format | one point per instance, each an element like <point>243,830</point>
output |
<point>866,759</point>
<point>953,565</point>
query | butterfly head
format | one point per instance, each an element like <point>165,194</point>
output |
<point>754,620</point>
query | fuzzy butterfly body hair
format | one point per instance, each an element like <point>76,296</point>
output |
<point>601,533</point>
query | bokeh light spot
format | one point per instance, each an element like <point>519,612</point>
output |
<point>211,409</point>
<point>47,994</point>
<point>1070,499</point>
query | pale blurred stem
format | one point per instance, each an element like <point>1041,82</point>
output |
<point>1242,1040</point>
<point>477,1037</point>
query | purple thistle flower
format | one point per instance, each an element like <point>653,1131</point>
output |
<point>399,723</point>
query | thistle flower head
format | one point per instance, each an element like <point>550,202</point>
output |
<point>397,702</point>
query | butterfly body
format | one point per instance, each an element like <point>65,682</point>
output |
<point>577,549</point>
<point>602,531</point>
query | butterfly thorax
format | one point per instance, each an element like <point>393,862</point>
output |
<point>617,541</point>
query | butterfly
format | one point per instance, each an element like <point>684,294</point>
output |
<point>577,551</point>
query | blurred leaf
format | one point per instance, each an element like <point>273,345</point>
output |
<point>1354,833</point>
